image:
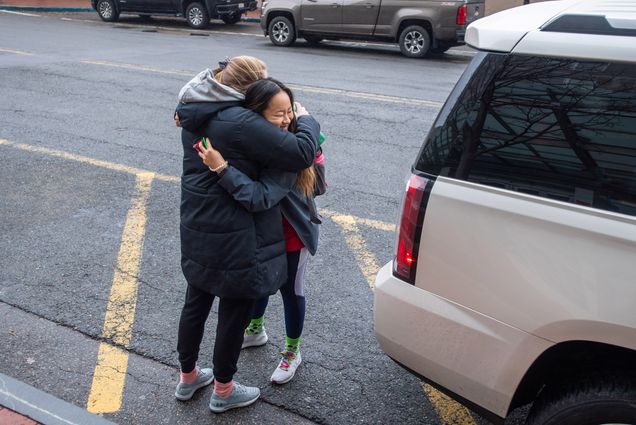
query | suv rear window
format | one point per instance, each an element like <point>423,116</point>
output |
<point>558,128</point>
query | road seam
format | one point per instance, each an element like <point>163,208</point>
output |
<point>447,409</point>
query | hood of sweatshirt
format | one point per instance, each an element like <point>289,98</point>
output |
<point>202,97</point>
<point>204,88</point>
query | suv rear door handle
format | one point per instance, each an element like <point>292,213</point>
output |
<point>368,5</point>
<point>334,5</point>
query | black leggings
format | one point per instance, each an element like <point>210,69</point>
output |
<point>293,294</point>
<point>234,316</point>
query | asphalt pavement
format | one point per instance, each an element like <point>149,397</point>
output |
<point>87,120</point>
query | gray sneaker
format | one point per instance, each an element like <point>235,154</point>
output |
<point>186,391</point>
<point>240,396</point>
<point>251,339</point>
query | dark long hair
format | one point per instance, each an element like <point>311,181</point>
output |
<point>257,98</point>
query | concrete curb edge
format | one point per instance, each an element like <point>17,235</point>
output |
<point>43,407</point>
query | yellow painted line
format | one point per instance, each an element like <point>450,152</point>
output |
<point>374,224</point>
<point>138,68</point>
<point>449,411</point>
<point>16,52</point>
<point>108,379</point>
<point>112,362</point>
<point>309,89</point>
<point>367,96</point>
<point>366,260</point>
<point>87,160</point>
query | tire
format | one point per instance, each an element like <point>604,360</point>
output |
<point>107,11</point>
<point>197,15</point>
<point>414,41</point>
<point>231,18</point>
<point>596,398</point>
<point>312,40</point>
<point>281,31</point>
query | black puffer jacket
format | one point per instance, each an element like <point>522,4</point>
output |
<point>225,249</point>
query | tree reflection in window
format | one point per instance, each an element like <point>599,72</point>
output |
<point>557,128</point>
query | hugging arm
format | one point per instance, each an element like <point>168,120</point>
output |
<point>260,195</point>
<point>276,148</point>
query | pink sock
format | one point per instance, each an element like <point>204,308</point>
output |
<point>223,390</point>
<point>189,377</point>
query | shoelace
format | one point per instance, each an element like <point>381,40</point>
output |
<point>287,357</point>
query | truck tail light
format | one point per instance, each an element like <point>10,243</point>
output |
<point>462,15</point>
<point>414,204</point>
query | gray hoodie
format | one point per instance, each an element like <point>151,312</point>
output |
<point>204,88</point>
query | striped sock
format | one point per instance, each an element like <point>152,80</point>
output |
<point>223,390</point>
<point>292,344</point>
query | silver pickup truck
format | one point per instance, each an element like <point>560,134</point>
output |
<point>418,26</point>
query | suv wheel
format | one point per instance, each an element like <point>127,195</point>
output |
<point>197,15</point>
<point>414,41</point>
<point>597,398</point>
<point>281,31</point>
<point>107,11</point>
<point>231,18</point>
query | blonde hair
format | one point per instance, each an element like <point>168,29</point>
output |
<point>306,181</point>
<point>240,71</point>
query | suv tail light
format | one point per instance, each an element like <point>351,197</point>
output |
<point>414,204</point>
<point>462,15</point>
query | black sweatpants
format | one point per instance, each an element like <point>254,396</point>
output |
<point>234,316</point>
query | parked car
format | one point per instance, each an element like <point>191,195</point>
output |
<point>514,276</point>
<point>418,26</point>
<point>197,13</point>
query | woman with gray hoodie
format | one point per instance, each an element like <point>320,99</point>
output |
<point>227,251</point>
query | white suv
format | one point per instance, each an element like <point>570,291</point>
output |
<point>514,277</point>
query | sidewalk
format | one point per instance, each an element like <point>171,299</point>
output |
<point>22,404</point>
<point>78,6</point>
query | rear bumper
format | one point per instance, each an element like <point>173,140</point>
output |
<point>225,9</point>
<point>450,36</point>
<point>471,355</point>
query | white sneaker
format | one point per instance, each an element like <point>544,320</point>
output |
<point>287,367</point>
<point>251,339</point>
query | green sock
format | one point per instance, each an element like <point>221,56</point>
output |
<point>256,325</point>
<point>292,344</point>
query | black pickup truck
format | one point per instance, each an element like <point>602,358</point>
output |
<point>197,12</point>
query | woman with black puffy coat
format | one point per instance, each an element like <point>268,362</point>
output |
<point>227,251</point>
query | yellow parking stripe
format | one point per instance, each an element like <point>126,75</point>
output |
<point>109,375</point>
<point>449,411</point>
<point>366,260</point>
<point>88,160</point>
<point>108,380</point>
<point>112,362</point>
<point>16,52</point>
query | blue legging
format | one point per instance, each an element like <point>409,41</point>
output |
<point>293,294</point>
